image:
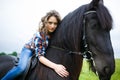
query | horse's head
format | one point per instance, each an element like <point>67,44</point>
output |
<point>97,26</point>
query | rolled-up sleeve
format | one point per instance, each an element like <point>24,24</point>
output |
<point>39,47</point>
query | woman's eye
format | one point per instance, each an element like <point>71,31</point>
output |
<point>52,23</point>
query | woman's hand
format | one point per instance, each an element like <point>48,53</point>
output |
<point>61,70</point>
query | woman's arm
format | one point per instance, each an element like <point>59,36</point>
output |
<point>59,69</point>
<point>40,51</point>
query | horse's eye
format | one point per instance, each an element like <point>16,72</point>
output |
<point>95,26</point>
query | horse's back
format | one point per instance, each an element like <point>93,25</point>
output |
<point>6,63</point>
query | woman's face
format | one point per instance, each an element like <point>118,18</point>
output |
<point>51,24</point>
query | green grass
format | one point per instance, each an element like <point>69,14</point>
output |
<point>87,74</point>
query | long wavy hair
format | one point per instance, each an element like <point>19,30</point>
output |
<point>45,18</point>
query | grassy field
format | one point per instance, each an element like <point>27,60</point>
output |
<point>86,74</point>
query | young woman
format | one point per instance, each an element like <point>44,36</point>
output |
<point>39,43</point>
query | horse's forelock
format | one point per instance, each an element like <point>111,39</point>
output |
<point>104,17</point>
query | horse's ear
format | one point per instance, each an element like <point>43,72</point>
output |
<point>94,4</point>
<point>101,2</point>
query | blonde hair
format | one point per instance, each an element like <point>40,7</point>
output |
<point>46,17</point>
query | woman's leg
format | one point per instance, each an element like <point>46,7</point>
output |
<point>14,72</point>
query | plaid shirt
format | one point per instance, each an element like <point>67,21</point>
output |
<point>39,43</point>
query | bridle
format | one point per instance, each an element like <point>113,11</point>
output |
<point>87,52</point>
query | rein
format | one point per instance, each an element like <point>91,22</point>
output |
<point>68,51</point>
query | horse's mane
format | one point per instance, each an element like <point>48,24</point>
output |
<point>69,32</point>
<point>69,29</point>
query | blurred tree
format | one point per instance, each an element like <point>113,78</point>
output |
<point>13,53</point>
<point>2,53</point>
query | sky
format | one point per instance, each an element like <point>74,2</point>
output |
<point>19,20</point>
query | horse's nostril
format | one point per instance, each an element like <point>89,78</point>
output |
<point>107,70</point>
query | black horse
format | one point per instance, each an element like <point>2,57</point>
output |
<point>83,32</point>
